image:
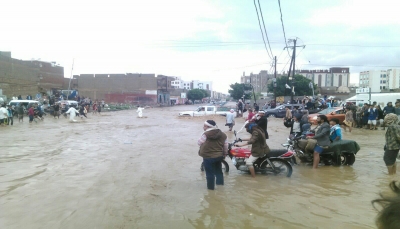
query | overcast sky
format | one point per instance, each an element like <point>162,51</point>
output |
<point>214,40</point>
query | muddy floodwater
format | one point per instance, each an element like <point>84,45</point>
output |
<point>119,171</point>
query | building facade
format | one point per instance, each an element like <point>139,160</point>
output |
<point>28,77</point>
<point>258,81</point>
<point>393,78</point>
<point>377,80</point>
<point>333,77</point>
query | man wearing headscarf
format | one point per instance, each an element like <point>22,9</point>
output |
<point>213,147</point>
<point>392,138</point>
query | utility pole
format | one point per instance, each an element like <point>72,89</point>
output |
<point>275,81</point>
<point>293,63</point>
<point>294,69</point>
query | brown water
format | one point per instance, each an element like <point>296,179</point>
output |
<point>56,174</point>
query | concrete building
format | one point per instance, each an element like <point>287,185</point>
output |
<point>28,77</point>
<point>334,77</point>
<point>198,84</point>
<point>377,80</point>
<point>393,78</point>
<point>258,81</point>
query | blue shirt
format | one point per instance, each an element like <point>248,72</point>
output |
<point>373,113</point>
<point>336,131</point>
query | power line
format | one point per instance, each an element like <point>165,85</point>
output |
<point>262,33</point>
<point>283,27</point>
<point>354,65</point>
<point>265,30</point>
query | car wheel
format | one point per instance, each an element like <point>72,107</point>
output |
<point>271,116</point>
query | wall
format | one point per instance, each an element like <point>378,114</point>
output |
<point>96,86</point>
<point>19,77</point>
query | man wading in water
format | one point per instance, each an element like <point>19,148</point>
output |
<point>213,146</point>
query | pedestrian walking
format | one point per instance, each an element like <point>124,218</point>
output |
<point>10,114</point>
<point>288,115</point>
<point>230,119</point>
<point>82,111</point>
<point>3,115</point>
<point>31,114</point>
<point>72,114</point>
<point>392,142</point>
<point>213,146</point>
<point>140,111</point>
<point>348,120</point>
<point>381,116</point>
<point>240,108</point>
<point>20,112</point>
<point>94,108</point>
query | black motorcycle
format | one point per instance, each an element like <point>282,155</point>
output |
<point>337,153</point>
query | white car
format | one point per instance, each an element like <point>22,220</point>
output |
<point>206,110</point>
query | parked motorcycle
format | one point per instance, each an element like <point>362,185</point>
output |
<point>338,153</point>
<point>275,162</point>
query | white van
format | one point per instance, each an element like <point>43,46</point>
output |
<point>25,103</point>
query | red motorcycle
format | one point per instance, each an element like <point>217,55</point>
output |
<point>275,162</point>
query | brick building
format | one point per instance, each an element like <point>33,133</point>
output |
<point>28,77</point>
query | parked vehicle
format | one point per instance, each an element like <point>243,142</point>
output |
<point>275,163</point>
<point>338,153</point>
<point>280,111</point>
<point>66,104</point>
<point>207,110</point>
<point>335,112</point>
<point>25,103</point>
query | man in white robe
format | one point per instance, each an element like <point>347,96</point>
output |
<point>72,113</point>
<point>140,112</point>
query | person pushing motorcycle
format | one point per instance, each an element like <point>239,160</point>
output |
<point>259,146</point>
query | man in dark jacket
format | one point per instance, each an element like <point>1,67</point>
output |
<point>258,145</point>
<point>213,147</point>
<point>389,109</point>
<point>322,137</point>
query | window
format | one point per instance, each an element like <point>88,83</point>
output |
<point>210,108</point>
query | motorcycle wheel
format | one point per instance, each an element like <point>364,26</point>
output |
<point>225,167</point>
<point>281,167</point>
<point>351,158</point>
<point>341,160</point>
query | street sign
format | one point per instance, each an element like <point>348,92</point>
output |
<point>310,85</point>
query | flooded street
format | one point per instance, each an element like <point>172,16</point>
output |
<point>119,171</point>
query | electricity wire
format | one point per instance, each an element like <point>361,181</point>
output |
<point>265,30</point>
<point>262,33</point>
<point>283,27</point>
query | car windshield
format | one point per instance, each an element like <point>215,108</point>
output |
<point>327,111</point>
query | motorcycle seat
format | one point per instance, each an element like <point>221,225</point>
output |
<point>276,152</point>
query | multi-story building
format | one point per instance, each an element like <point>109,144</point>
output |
<point>393,78</point>
<point>334,77</point>
<point>377,80</point>
<point>178,83</point>
<point>258,81</point>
